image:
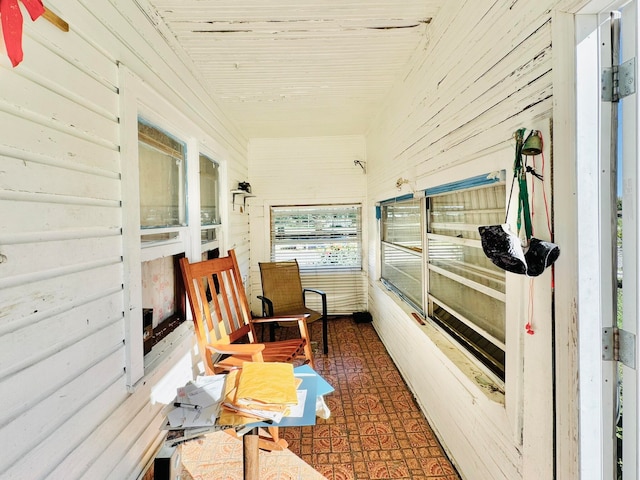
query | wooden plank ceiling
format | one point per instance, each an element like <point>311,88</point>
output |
<point>297,67</point>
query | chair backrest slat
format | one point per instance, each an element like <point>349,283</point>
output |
<point>215,327</point>
<point>218,301</point>
<point>230,301</point>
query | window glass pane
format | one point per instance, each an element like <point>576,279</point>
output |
<point>466,290</point>
<point>208,235</point>
<point>465,261</point>
<point>209,191</point>
<point>401,224</point>
<point>402,269</point>
<point>161,164</point>
<point>323,236</point>
<point>485,312</point>
<point>458,214</point>
<point>158,279</point>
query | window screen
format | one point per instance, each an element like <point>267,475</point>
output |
<point>320,237</point>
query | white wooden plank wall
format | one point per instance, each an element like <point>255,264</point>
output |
<point>65,411</point>
<point>306,171</point>
<point>61,278</point>
<point>485,71</point>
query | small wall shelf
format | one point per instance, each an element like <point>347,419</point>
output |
<point>244,194</point>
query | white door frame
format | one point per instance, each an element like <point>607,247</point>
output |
<point>598,379</point>
<point>630,106</point>
<point>596,383</point>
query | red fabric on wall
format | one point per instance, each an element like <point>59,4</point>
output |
<point>11,17</point>
<point>34,8</point>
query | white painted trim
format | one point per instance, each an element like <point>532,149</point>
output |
<point>132,275</point>
<point>597,379</point>
<point>193,199</point>
<point>139,99</point>
<point>630,106</point>
<point>565,213</point>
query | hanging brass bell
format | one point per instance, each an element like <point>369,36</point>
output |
<point>533,144</point>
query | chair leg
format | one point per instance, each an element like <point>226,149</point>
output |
<point>324,335</point>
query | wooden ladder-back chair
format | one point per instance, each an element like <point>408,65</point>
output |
<point>283,295</point>
<point>223,322</point>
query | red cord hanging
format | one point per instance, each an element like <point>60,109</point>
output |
<point>11,17</point>
<point>530,314</point>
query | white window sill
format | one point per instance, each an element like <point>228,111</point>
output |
<point>468,372</point>
<point>165,352</point>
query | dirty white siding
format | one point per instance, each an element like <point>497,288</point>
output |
<point>570,459</point>
<point>65,411</point>
<point>307,171</point>
<point>485,72</point>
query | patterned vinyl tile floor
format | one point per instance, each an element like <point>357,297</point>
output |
<point>376,430</point>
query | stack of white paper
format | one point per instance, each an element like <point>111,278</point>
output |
<point>197,404</point>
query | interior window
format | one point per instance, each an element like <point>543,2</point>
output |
<point>209,188</point>
<point>466,291</point>
<point>162,164</point>
<point>162,181</point>
<point>450,279</point>
<point>209,199</point>
<point>401,249</point>
<point>162,292</point>
<point>320,237</point>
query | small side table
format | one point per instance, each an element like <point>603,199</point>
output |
<point>307,416</point>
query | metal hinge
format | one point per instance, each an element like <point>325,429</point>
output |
<point>619,81</point>
<point>619,346</point>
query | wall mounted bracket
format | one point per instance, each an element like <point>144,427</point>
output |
<point>244,194</point>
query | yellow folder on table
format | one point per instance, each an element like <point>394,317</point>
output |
<point>227,416</point>
<point>268,383</point>
<point>272,389</point>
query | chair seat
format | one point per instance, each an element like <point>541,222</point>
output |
<point>280,351</point>
<point>313,316</point>
<point>283,294</point>
<point>223,322</point>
